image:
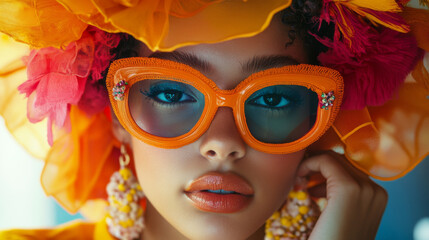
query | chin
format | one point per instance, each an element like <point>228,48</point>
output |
<point>218,232</point>
<point>215,226</point>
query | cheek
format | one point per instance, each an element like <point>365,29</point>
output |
<point>276,176</point>
<point>155,166</point>
<point>163,173</point>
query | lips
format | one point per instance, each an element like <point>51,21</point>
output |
<point>219,192</point>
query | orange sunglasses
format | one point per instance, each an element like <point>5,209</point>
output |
<point>168,104</point>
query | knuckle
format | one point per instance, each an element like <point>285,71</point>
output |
<point>368,189</point>
<point>352,187</point>
<point>381,194</point>
<point>327,155</point>
<point>327,158</point>
<point>324,158</point>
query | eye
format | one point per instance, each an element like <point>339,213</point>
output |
<point>271,101</point>
<point>172,96</point>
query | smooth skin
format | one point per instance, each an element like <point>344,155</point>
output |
<point>355,203</point>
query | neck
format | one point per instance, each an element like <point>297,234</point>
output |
<point>156,227</point>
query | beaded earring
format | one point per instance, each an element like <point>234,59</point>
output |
<point>125,215</point>
<point>295,220</point>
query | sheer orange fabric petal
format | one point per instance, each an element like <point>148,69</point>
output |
<point>39,23</point>
<point>168,24</point>
<point>87,12</point>
<point>384,142</point>
<point>389,141</point>
<point>162,25</point>
<point>94,210</point>
<point>404,126</point>
<point>13,106</point>
<point>75,168</point>
<point>71,230</point>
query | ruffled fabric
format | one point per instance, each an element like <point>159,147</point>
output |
<point>389,141</point>
<point>162,24</point>
<point>384,142</point>
<point>79,164</point>
<point>13,107</point>
<point>41,23</point>
<point>71,230</point>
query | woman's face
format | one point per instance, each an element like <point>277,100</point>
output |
<point>165,174</point>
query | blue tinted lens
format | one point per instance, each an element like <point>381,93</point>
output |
<point>165,108</point>
<point>281,113</point>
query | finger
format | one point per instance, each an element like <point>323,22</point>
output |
<point>378,206</point>
<point>361,178</point>
<point>355,202</point>
<point>372,197</point>
<point>324,164</point>
<point>346,163</point>
<point>318,191</point>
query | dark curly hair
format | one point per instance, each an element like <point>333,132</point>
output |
<point>301,17</point>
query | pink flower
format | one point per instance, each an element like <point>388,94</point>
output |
<point>59,77</point>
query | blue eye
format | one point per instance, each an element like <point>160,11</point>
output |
<point>271,101</point>
<point>168,92</point>
<point>172,96</point>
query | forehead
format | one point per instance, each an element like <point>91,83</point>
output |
<point>272,41</point>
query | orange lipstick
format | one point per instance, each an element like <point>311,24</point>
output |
<point>219,192</point>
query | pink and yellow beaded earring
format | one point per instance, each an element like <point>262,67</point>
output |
<point>125,214</point>
<point>295,220</point>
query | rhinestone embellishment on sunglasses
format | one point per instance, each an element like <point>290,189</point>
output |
<point>119,90</point>
<point>327,100</point>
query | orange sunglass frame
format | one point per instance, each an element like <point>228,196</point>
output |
<point>318,79</point>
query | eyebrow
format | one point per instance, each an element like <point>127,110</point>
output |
<point>256,64</point>
<point>185,58</point>
<point>259,63</point>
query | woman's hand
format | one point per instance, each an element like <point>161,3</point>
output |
<point>355,204</point>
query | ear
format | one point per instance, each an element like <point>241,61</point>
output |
<point>118,131</point>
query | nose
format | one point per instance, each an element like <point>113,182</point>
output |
<point>222,141</point>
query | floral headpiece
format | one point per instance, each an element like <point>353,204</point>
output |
<point>370,37</point>
<point>59,78</point>
<point>375,45</point>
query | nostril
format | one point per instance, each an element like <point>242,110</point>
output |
<point>233,154</point>
<point>211,153</point>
